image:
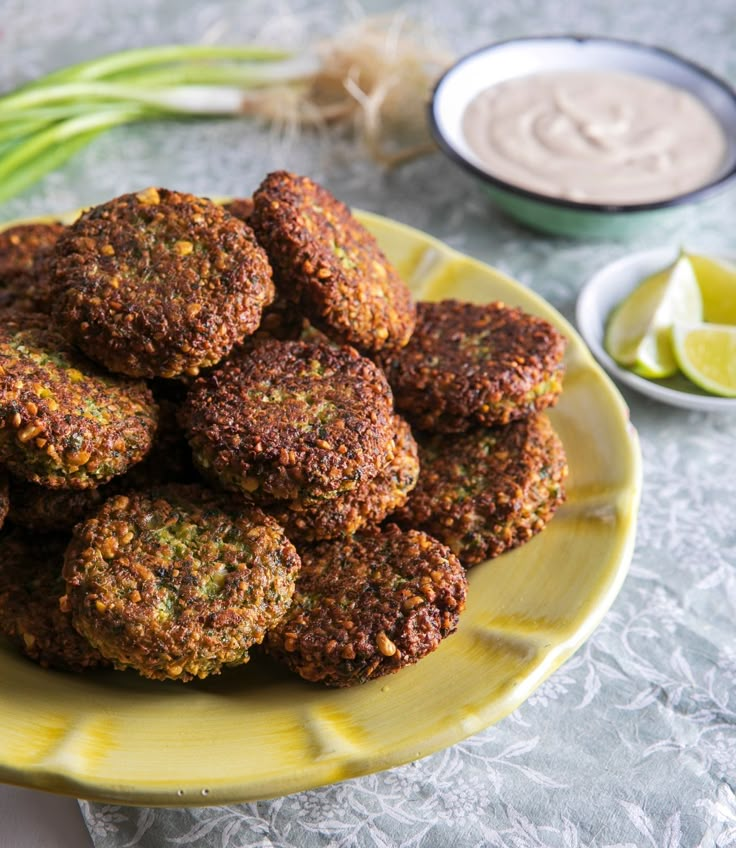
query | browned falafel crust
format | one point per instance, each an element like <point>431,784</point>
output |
<point>18,246</point>
<point>368,503</point>
<point>160,283</point>
<point>37,507</point>
<point>475,365</point>
<point>170,457</point>
<point>63,421</point>
<point>14,319</point>
<point>327,260</point>
<point>169,460</point>
<point>283,319</point>
<point>369,604</point>
<point>291,420</point>
<point>25,281</point>
<point>177,583</point>
<point>30,588</point>
<point>4,497</point>
<point>240,207</point>
<point>487,490</point>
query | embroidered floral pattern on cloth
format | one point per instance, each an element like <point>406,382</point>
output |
<point>633,741</point>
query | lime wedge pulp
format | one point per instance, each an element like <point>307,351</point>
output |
<point>706,354</point>
<point>638,334</point>
<point>717,281</point>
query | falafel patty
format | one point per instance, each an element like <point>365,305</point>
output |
<point>281,320</point>
<point>328,261</point>
<point>160,283</point>
<point>63,422</point>
<point>177,583</point>
<point>487,490</point>
<point>4,498</point>
<point>471,365</point>
<point>369,503</point>
<point>30,616</point>
<point>240,207</point>
<point>169,460</point>
<point>25,281</point>
<point>291,421</point>
<point>37,507</point>
<point>369,604</point>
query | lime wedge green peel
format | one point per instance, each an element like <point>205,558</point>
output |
<point>706,354</point>
<point>638,334</point>
<point>717,281</point>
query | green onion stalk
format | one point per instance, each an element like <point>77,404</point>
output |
<point>45,122</point>
<point>370,77</point>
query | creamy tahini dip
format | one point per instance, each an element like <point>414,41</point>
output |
<point>595,136</point>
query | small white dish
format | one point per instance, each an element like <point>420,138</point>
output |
<point>597,299</point>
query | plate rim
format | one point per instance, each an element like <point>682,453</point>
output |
<point>155,795</point>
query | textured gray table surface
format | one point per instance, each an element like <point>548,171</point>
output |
<point>633,741</point>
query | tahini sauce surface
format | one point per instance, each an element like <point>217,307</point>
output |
<point>595,136</point>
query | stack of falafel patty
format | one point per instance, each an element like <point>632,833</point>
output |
<point>230,426</point>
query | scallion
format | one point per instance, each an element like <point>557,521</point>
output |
<point>45,121</point>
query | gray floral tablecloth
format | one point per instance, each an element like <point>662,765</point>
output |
<point>633,741</point>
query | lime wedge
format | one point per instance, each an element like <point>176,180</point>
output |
<point>717,281</point>
<point>638,333</point>
<point>706,353</point>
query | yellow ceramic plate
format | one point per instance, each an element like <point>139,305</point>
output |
<point>257,732</point>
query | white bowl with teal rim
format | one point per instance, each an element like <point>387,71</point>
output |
<point>506,60</point>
